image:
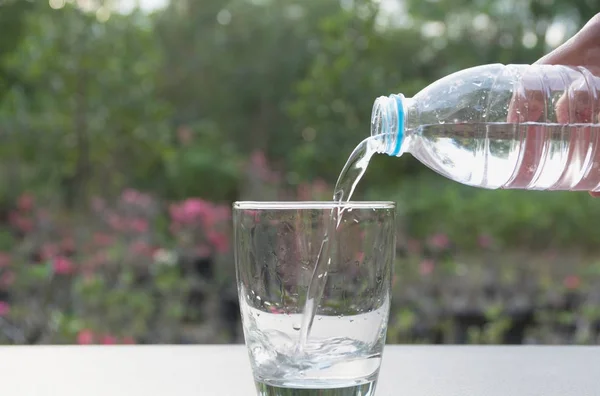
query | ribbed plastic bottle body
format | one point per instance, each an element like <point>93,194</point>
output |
<point>495,126</point>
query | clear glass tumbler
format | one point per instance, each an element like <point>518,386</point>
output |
<point>276,247</point>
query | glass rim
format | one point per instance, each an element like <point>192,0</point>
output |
<point>296,205</point>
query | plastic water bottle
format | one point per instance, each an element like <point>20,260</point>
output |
<point>501,126</point>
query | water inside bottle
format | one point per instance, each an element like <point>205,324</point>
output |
<point>534,156</point>
<point>352,172</point>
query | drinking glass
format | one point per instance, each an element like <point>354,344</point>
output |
<point>277,245</point>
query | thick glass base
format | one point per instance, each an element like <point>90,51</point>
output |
<point>367,389</point>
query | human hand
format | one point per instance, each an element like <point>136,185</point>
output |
<point>578,104</point>
<point>583,49</point>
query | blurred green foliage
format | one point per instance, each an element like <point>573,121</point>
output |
<point>253,99</point>
<point>175,101</point>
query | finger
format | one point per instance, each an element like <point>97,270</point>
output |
<point>578,107</point>
<point>581,49</point>
<point>527,102</point>
<point>546,99</point>
<point>576,104</point>
<point>526,106</point>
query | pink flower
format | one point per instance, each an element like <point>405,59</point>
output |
<point>222,212</point>
<point>426,267</point>
<point>5,259</point>
<point>177,213</point>
<point>141,248</point>
<point>274,310</point>
<point>96,260</point>
<point>203,251</point>
<point>62,265</point>
<point>98,204</point>
<point>85,337</point>
<point>4,308</point>
<point>144,200</point>
<point>219,241</point>
<point>189,211</point>
<point>22,223</point>
<point>116,222</point>
<point>7,279</point>
<point>108,340</point>
<point>572,282</point>
<point>254,214</point>
<point>413,246</point>
<point>133,197</point>
<point>260,167</point>
<point>196,208</point>
<point>130,196</point>
<point>439,241</point>
<point>43,214</point>
<point>360,256</point>
<point>68,245</point>
<point>197,212</point>
<point>485,241</point>
<point>258,159</point>
<point>303,192</point>
<point>26,202</point>
<point>102,239</point>
<point>320,187</point>
<point>128,341</point>
<point>48,251</point>
<point>139,225</point>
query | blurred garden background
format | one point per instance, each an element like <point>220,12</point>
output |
<point>128,128</point>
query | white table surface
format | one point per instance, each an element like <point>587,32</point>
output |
<point>224,370</point>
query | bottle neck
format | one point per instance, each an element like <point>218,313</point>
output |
<point>389,121</point>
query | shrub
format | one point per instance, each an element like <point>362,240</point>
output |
<point>114,275</point>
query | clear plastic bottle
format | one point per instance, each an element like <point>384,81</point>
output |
<point>501,126</point>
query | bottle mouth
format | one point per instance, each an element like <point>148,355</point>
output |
<point>387,123</point>
<point>377,117</point>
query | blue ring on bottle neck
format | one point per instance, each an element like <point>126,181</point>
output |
<point>400,132</point>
